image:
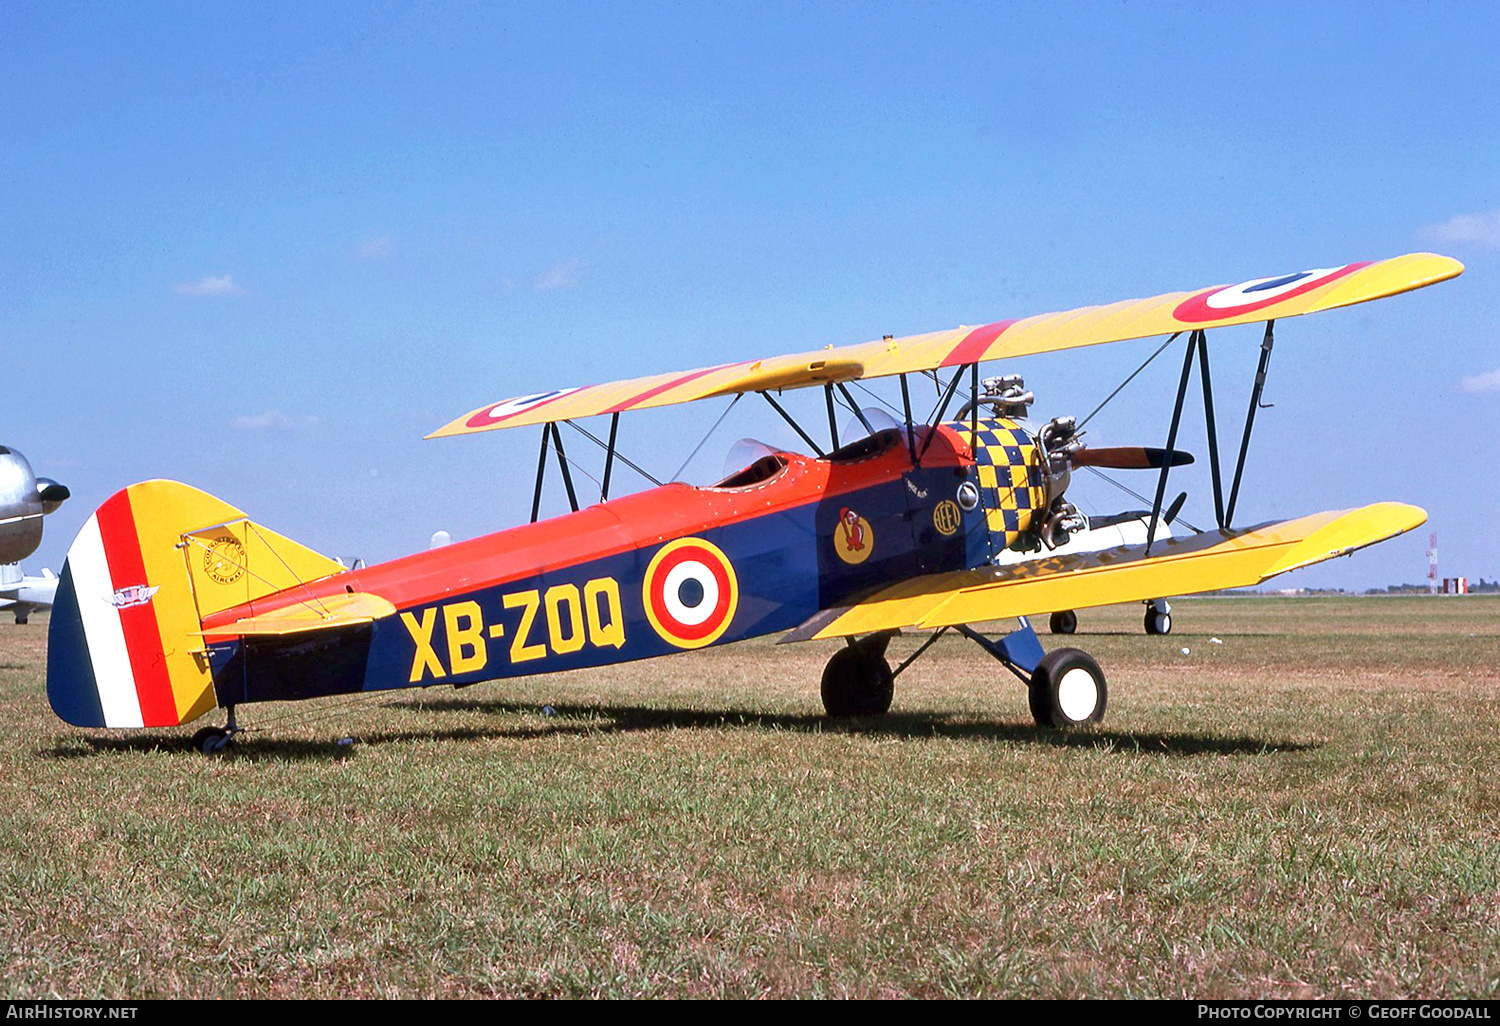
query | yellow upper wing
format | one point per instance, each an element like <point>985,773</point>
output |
<point>1178,566</point>
<point>1256,300</point>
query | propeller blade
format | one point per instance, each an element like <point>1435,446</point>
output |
<point>1175,508</point>
<point>1129,457</point>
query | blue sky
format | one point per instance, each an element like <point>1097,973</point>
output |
<point>265,248</point>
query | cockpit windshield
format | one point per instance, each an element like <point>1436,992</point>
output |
<point>871,433</point>
<point>750,462</point>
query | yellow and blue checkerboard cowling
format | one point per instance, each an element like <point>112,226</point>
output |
<point>1012,480</point>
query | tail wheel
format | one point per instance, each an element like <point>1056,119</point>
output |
<point>1067,689</point>
<point>857,682</point>
<point>211,740</point>
<point>1065,622</point>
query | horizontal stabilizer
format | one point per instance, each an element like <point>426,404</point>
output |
<point>312,615</point>
<point>1176,566</point>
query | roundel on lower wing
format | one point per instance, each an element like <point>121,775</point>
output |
<point>690,592</point>
<point>1258,294</point>
<point>508,408</point>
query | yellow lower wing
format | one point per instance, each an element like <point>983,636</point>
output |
<point>1176,566</point>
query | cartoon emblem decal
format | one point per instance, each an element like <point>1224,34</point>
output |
<point>690,592</point>
<point>853,538</point>
<point>1250,296</point>
<point>946,518</point>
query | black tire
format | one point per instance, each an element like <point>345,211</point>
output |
<point>857,682</point>
<point>1158,623</point>
<point>1064,622</point>
<point>211,740</point>
<point>1067,689</point>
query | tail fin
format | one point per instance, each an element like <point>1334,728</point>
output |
<point>125,647</point>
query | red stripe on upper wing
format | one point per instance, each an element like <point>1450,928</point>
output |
<point>148,666</point>
<point>975,344</point>
<point>682,379</point>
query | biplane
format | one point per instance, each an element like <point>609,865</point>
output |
<point>173,603</point>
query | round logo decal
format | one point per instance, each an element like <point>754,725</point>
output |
<point>946,518</point>
<point>224,559</point>
<point>690,592</point>
<point>1250,296</point>
<point>853,539</point>
<point>514,407</point>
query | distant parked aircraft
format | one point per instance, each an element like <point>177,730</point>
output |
<point>21,595</point>
<point>24,500</point>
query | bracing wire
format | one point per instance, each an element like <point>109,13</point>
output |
<point>603,445</point>
<point>312,601</point>
<point>1127,381</point>
<point>1137,495</point>
<point>737,397</point>
<point>878,398</point>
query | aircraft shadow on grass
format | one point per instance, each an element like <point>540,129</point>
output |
<point>611,718</point>
<point>914,726</point>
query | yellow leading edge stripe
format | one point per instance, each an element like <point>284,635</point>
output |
<point>1177,566</point>
<point>1043,333</point>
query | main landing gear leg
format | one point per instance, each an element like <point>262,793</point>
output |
<point>213,740</point>
<point>1066,687</point>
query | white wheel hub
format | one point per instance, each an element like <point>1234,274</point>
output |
<point>1078,694</point>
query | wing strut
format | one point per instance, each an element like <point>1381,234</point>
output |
<point>795,426</point>
<point>562,462</point>
<point>1166,464</point>
<point>1255,393</point>
<point>911,435</point>
<point>849,401</point>
<point>541,472</point>
<point>942,407</point>
<point>609,455</point>
<point>974,406</point>
<point>833,427</point>
<point>1213,434</point>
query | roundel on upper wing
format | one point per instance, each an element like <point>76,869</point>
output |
<point>507,408</point>
<point>690,592</point>
<point>1258,294</point>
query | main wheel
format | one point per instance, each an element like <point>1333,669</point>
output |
<point>1065,622</point>
<point>211,740</point>
<point>857,682</point>
<point>1067,689</point>
<point>1158,618</point>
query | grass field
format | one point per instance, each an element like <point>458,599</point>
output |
<point>1306,809</point>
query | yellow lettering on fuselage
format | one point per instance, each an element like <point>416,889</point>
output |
<point>592,617</point>
<point>601,632</point>
<point>421,634</point>
<point>562,605</point>
<point>466,650</point>
<point>520,652</point>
